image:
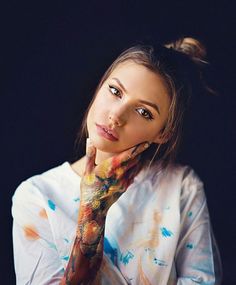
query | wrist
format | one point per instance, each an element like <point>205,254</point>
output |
<point>89,250</point>
<point>89,234</point>
<point>91,211</point>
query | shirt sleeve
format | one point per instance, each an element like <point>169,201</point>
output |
<point>197,256</point>
<point>38,256</point>
<point>36,259</point>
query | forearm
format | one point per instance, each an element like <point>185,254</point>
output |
<point>101,186</point>
<point>87,252</point>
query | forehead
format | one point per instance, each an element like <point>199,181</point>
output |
<point>140,81</point>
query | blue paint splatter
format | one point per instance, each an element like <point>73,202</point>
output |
<point>109,250</point>
<point>51,205</point>
<point>66,240</point>
<point>159,262</point>
<point>76,199</point>
<point>166,233</point>
<point>189,246</point>
<point>126,258</point>
<point>190,213</point>
<point>51,245</point>
<point>65,257</point>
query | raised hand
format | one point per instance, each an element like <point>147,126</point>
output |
<point>103,184</point>
<point>100,187</point>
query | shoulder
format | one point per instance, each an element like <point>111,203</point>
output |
<point>176,179</point>
<point>182,184</point>
<point>184,174</point>
<point>190,182</point>
<point>48,183</point>
<point>190,186</point>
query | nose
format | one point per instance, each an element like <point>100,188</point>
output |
<point>117,117</point>
<point>115,121</point>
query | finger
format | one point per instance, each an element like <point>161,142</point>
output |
<point>90,156</point>
<point>120,171</point>
<point>122,158</point>
<point>108,167</point>
<point>139,149</point>
<point>128,176</point>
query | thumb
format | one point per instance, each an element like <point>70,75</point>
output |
<point>90,156</point>
<point>109,166</point>
<point>138,149</point>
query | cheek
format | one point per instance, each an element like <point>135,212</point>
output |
<point>140,133</point>
<point>95,111</point>
<point>144,132</point>
<point>99,106</point>
<point>96,114</point>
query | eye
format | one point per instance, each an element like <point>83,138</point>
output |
<point>114,91</point>
<point>145,113</point>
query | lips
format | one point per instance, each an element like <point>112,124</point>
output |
<point>107,133</point>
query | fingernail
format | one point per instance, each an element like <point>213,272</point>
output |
<point>146,145</point>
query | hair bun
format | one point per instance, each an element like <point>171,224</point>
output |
<point>191,47</point>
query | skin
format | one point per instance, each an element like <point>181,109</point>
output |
<point>122,111</point>
<point>109,167</point>
<point>101,186</point>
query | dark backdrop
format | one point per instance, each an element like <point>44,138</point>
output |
<point>52,58</point>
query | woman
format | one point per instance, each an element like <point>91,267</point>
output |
<point>125,213</point>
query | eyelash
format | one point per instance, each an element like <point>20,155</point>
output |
<point>150,116</point>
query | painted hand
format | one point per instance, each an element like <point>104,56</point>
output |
<point>101,186</point>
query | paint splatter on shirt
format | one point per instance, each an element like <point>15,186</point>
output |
<point>151,232</point>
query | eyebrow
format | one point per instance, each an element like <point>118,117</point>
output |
<point>151,104</point>
<point>142,101</point>
<point>121,85</point>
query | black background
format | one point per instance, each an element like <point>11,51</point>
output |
<point>53,55</point>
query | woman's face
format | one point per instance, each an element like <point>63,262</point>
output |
<point>131,107</point>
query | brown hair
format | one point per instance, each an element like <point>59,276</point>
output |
<point>177,63</point>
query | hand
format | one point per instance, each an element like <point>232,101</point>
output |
<point>102,185</point>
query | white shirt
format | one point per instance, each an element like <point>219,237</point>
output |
<point>158,232</point>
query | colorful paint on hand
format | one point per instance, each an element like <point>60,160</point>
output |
<point>100,187</point>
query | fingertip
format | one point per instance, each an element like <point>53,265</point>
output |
<point>90,148</point>
<point>146,145</point>
<point>89,142</point>
<point>140,148</point>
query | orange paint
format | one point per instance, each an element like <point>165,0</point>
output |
<point>90,232</point>
<point>43,214</point>
<point>142,277</point>
<point>31,232</point>
<point>152,238</point>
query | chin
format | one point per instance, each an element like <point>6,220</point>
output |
<point>105,146</point>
